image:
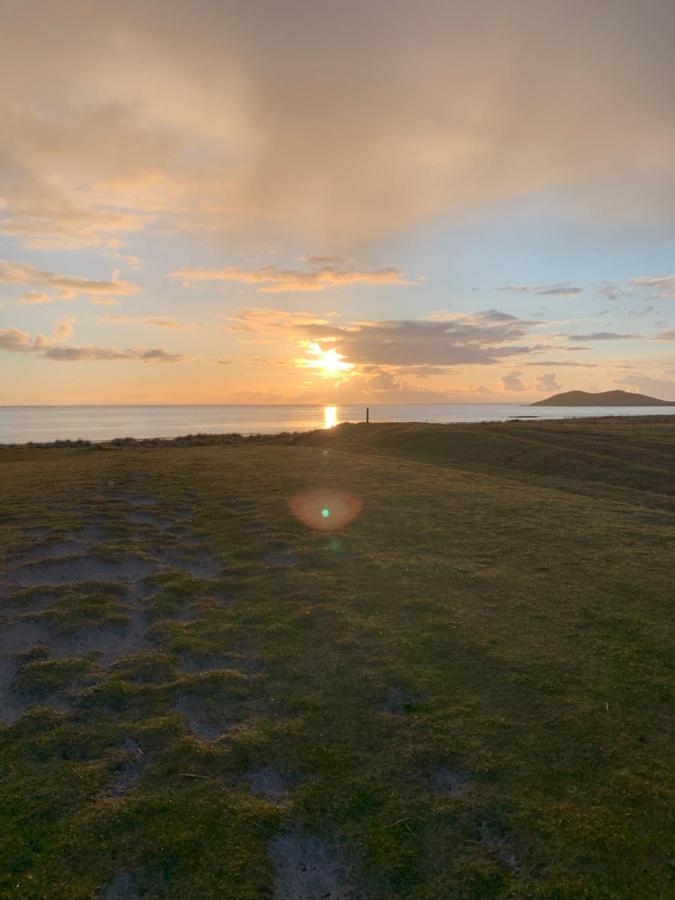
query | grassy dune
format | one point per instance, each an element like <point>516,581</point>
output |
<point>467,692</point>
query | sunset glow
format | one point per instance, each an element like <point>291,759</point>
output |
<point>258,209</point>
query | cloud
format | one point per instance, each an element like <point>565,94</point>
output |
<point>14,340</point>
<point>34,298</point>
<point>345,123</point>
<point>556,362</point>
<point>481,338</point>
<point>269,321</point>
<point>667,335</point>
<point>544,290</point>
<point>64,328</point>
<point>157,322</point>
<point>67,286</point>
<point>272,280</point>
<point>664,285</point>
<point>548,382</point>
<point>656,387</point>
<point>90,353</point>
<point>512,382</point>
<point>602,336</point>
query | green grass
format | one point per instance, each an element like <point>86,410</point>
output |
<point>509,585</point>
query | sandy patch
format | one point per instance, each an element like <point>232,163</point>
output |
<point>311,868</point>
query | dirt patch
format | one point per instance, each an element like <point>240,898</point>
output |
<point>138,517</point>
<point>398,701</point>
<point>311,868</point>
<point>447,782</point>
<point>131,769</point>
<point>96,534</point>
<point>279,556</point>
<point>200,565</point>
<point>123,887</point>
<point>205,724</point>
<point>50,550</point>
<point>498,845</point>
<point>37,531</point>
<point>76,569</point>
<point>268,782</point>
<point>141,500</point>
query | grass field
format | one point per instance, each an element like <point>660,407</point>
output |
<point>465,692</point>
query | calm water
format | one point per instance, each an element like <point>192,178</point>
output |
<point>46,423</point>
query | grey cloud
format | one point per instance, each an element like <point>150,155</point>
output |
<point>544,290</point>
<point>15,340</point>
<point>601,336</point>
<point>484,338</point>
<point>339,120</point>
<point>90,353</point>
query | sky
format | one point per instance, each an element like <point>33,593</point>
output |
<point>284,201</point>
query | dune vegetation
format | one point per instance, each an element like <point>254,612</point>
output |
<point>465,691</point>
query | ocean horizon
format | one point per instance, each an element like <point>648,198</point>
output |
<point>39,424</point>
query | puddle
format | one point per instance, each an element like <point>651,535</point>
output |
<point>72,570</point>
<point>269,783</point>
<point>449,782</point>
<point>311,868</point>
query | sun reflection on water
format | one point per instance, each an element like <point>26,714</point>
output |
<point>330,419</point>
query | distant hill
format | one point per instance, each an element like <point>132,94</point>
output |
<point>605,398</point>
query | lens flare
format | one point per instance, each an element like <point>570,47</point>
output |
<point>325,510</point>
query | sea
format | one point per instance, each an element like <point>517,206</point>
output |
<point>22,424</point>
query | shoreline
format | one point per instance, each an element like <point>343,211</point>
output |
<point>204,439</point>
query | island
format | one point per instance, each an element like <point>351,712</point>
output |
<point>604,398</point>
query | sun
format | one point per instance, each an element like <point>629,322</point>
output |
<point>329,363</point>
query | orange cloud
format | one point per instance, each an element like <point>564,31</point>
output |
<point>272,280</point>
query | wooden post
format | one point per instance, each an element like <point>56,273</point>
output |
<point>367,415</point>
